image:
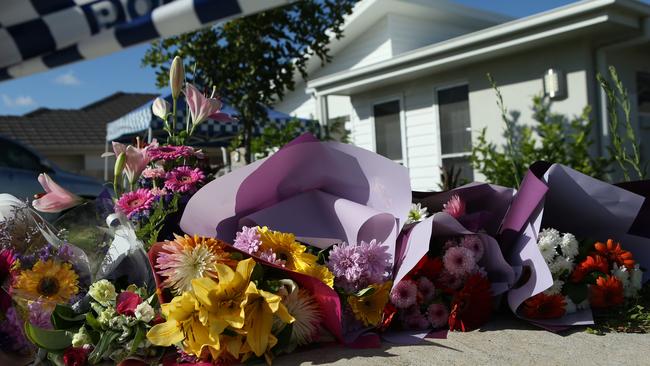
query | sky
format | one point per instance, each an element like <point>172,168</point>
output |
<point>82,83</point>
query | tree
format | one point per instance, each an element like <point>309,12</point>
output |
<point>252,61</point>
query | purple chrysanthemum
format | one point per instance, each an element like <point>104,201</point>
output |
<point>459,261</point>
<point>248,240</point>
<point>39,315</point>
<point>344,264</point>
<point>450,281</point>
<point>473,243</point>
<point>271,257</point>
<point>404,294</point>
<point>138,201</point>
<point>169,152</point>
<point>438,315</point>
<point>426,289</point>
<point>184,179</point>
<point>12,328</point>
<point>374,261</point>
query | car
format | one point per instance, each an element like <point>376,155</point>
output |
<point>20,167</point>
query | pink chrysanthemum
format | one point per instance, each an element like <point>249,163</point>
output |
<point>426,289</point>
<point>455,206</point>
<point>344,263</point>
<point>449,244</point>
<point>169,152</point>
<point>450,281</point>
<point>438,315</point>
<point>271,257</point>
<point>184,179</point>
<point>459,261</point>
<point>375,260</point>
<point>416,321</point>
<point>473,243</point>
<point>153,173</point>
<point>248,240</point>
<point>404,294</point>
<point>131,203</point>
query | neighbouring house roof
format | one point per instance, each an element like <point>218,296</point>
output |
<point>63,128</point>
<point>623,16</point>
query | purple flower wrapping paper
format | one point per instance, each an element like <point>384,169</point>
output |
<point>559,197</point>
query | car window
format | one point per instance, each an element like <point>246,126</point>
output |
<point>15,156</point>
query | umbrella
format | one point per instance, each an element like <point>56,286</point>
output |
<point>39,35</point>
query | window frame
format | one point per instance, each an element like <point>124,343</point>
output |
<point>26,151</point>
<point>436,113</point>
<point>399,98</point>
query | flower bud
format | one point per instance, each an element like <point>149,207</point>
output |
<point>160,108</point>
<point>176,76</point>
<point>120,162</point>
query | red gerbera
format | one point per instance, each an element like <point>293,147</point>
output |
<point>607,292</point>
<point>542,306</point>
<point>428,267</point>
<point>615,253</point>
<point>590,264</point>
<point>471,306</point>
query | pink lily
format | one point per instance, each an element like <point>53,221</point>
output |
<point>136,159</point>
<point>201,108</point>
<point>55,198</point>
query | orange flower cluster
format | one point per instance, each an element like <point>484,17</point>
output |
<point>615,254</point>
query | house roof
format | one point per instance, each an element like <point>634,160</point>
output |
<point>62,128</point>
<point>489,42</point>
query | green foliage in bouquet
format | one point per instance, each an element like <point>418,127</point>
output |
<point>150,231</point>
<point>254,60</point>
<point>553,137</point>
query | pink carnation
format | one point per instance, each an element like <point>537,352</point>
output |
<point>404,294</point>
<point>153,173</point>
<point>455,206</point>
<point>134,202</point>
<point>473,243</point>
<point>438,315</point>
<point>169,152</point>
<point>459,261</point>
<point>158,192</point>
<point>184,179</point>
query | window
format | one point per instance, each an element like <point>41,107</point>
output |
<point>455,130</point>
<point>14,156</point>
<point>388,130</point>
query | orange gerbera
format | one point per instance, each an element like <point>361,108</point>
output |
<point>543,306</point>
<point>615,253</point>
<point>590,264</point>
<point>607,292</point>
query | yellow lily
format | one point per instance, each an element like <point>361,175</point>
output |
<point>260,308</point>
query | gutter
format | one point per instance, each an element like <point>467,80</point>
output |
<point>602,68</point>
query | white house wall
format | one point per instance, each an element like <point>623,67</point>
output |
<point>519,77</point>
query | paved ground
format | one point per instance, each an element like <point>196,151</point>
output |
<point>505,341</point>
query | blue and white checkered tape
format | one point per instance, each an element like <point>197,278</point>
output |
<point>38,35</point>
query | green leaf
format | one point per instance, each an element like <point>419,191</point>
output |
<point>63,317</point>
<point>577,292</point>
<point>258,273</point>
<point>103,346</point>
<point>49,340</point>
<point>365,292</point>
<point>284,341</point>
<point>139,337</point>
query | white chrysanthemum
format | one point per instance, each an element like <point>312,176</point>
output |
<point>556,288</point>
<point>306,312</point>
<point>569,245</point>
<point>570,305</point>
<point>622,274</point>
<point>636,280</point>
<point>417,213</point>
<point>560,265</point>
<point>144,312</point>
<point>548,240</point>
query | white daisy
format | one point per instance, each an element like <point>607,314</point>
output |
<point>417,213</point>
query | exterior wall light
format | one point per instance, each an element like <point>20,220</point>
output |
<point>554,84</point>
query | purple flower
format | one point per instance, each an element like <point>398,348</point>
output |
<point>344,264</point>
<point>404,294</point>
<point>416,321</point>
<point>426,289</point>
<point>438,315</point>
<point>374,261</point>
<point>39,315</point>
<point>450,281</point>
<point>12,328</point>
<point>169,152</point>
<point>248,240</point>
<point>270,257</point>
<point>473,243</point>
<point>459,261</point>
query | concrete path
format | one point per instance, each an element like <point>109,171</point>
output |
<point>505,341</point>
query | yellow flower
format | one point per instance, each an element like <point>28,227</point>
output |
<point>48,281</point>
<point>369,308</point>
<point>321,272</point>
<point>183,325</point>
<point>286,248</point>
<point>260,308</point>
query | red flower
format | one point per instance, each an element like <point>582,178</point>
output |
<point>7,272</point>
<point>428,267</point>
<point>614,253</point>
<point>76,356</point>
<point>127,301</point>
<point>471,306</point>
<point>542,306</point>
<point>607,292</point>
<point>590,264</point>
